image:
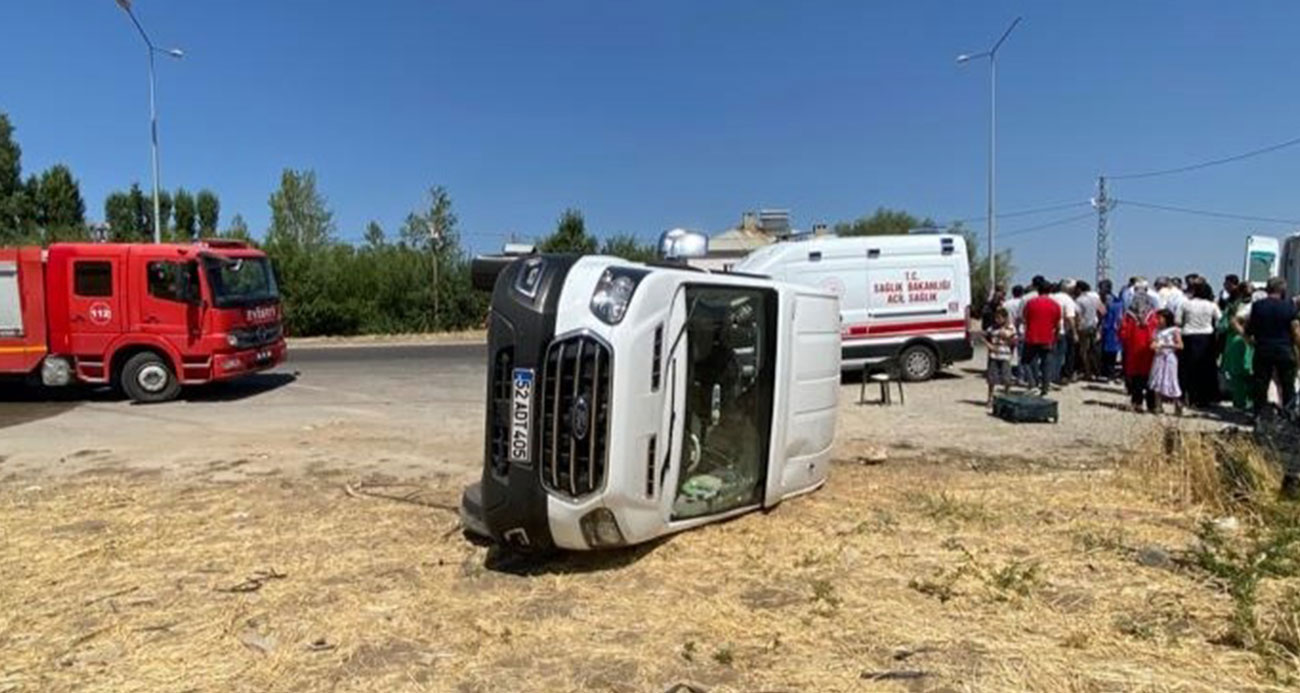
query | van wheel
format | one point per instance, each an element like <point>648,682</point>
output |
<point>146,378</point>
<point>918,363</point>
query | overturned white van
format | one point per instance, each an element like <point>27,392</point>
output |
<point>628,401</point>
<point>905,298</point>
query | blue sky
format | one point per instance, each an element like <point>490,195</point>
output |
<point>682,113</point>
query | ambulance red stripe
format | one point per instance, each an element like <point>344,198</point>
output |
<point>927,327</point>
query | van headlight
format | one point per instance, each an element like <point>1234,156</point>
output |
<point>614,293</point>
<point>233,340</point>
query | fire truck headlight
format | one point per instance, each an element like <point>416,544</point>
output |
<point>614,293</point>
<point>600,529</point>
<point>233,340</point>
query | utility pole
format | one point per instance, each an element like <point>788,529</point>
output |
<point>153,113</point>
<point>1103,204</point>
<point>992,55</point>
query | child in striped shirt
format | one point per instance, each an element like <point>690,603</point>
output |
<point>999,340</point>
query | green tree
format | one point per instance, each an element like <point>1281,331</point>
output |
<point>186,216</point>
<point>209,212</point>
<point>432,232</point>
<point>60,210</point>
<point>140,211</point>
<point>299,215</point>
<point>883,222</point>
<point>120,217</point>
<point>979,269</point>
<point>430,228</point>
<point>628,247</point>
<point>16,203</point>
<point>238,230</point>
<point>570,235</point>
<point>374,236</point>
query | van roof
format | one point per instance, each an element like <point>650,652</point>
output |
<point>841,246</point>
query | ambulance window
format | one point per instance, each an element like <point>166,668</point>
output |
<point>93,278</point>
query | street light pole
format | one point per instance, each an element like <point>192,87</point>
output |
<point>153,114</point>
<point>992,224</point>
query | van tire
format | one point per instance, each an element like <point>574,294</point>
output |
<point>918,363</point>
<point>147,378</point>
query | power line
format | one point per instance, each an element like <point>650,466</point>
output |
<point>1050,224</point>
<point>1026,212</point>
<point>1207,213</point>
<point>1207,164</point>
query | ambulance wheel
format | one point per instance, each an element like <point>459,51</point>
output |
<point>147,379</point>
<point>917,363</point>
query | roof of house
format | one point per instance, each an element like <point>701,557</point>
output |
<point>739,240</point>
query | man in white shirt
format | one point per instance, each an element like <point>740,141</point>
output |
<point>1062,366</point>
<point>1175,297</point>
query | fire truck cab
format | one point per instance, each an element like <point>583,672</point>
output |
<point>146,318</point>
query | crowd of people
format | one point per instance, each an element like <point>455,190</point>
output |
<point>1175,342</point>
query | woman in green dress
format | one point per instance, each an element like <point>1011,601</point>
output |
<point>1237,352</point>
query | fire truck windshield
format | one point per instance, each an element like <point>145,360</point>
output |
<point>240,281</point>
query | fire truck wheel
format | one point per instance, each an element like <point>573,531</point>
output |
<point>146,378</point>
<point>918,362</point>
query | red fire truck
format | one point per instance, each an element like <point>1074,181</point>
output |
<point>146,318</point>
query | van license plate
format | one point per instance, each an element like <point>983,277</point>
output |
<point>521,416</point>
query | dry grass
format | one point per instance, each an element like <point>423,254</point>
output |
<point>1214,472</point>
<point>911,576</point>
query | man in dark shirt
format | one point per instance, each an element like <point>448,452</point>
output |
<point>1274,329</point>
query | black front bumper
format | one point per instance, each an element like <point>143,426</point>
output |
<point>509,505</point>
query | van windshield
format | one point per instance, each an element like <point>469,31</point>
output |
<point>1260,268</point>
<point>730,372</point>
<point>240,281</point>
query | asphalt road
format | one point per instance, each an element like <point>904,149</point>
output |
<point>419,404</point>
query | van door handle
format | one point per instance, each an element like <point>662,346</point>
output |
<point>151,319</point>
<point>78,318</point>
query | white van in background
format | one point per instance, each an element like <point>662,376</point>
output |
<point>1291,264</point>
<point>901,297</point>
<point>1263,255</point>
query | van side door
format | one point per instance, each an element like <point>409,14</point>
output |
<point>162,292</point>
<point>95,315</point>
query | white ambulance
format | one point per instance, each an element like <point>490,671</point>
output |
<point>905,298</point>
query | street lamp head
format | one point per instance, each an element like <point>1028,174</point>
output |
<point>176,53</point>
<point>124,4</point>
<point>963,58</point>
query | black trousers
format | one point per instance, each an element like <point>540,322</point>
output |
<point>1271,363</point>
<point>1197,373</point>
<point>1139,391</point>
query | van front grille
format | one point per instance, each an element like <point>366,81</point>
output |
<point>575,416</point>
<point>499,412</point>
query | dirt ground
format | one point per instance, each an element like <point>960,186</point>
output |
<point>949,551</point>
